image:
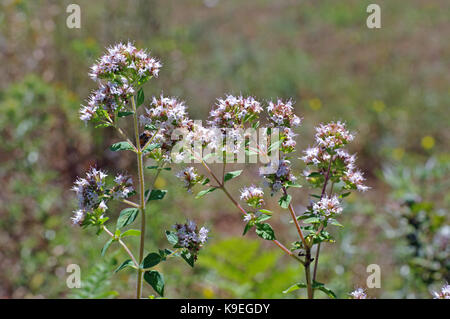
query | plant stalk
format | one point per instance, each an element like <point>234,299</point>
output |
<point>140,162</point>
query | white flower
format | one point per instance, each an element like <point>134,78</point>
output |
<point>253,196</point>
<point>203,234</point>
<point>443,294</point>
<point>77,217</point>
<point>358,293</point>
<point>327,206</point>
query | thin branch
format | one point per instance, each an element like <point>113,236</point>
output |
<point>122,244</point>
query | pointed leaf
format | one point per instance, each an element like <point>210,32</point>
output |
<point>204,192</point>
<point>296,286</point>
<point>285,200</point>
<point>231,175</point>
<point>106,246</point>
<point>156,194</point>
<point>156,280</point>
<point>127,216</point>
<point>151,260</point>
<point>126,263</point>
<point>121,146</point>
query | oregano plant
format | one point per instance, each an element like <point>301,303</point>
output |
<point>120,75</point>
<point>330,172</point>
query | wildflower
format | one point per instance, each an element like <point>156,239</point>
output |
<point>168,115</point>
<point>110,96</point>
<point>248,217</point>
<point>281,114</point>
<point>233,112</point>
<point>443,294</point>
<point>282,175</point>
<point>78,217</point>
<point>189,176</point>
<point>333,135</point>
<point>190,237</point>
<point>123,187</point>
<point>125,59</point>
<point>253,196</point>
<point>89,190</point>
<point>358,293</point>
<point>327,206</point>
<point>355,178</point>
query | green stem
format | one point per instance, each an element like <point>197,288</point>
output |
<point>140,162</point>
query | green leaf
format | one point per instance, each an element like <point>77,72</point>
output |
<point>320,286</point>
<point>126,263</point>
<point>315,174</point>
<point>204,192</point>
<point>140,97</point>
<point>334,222</point>
<point>248,226</point>
<point>164,253</point>
<point>345,195</point>
<point>151,260</point>
<point>131,232</point>
<point>105,248</point>
<point>231,175</point>
<point>188,257</point>
<point>156,280</point>
<point>127,216</point>
<point>156,194</point>
<point>150,148</point>
<point>285,200</point>
<point>103,125</point>
<point>266,211</point>
<point>265,231</point>
<point>125,113</point>
<point>296,286</point>
<point>312,220</point>
<point>121,146</point>
<point>172,237</point>
<point>263,217</point>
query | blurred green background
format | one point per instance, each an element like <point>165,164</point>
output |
<point>391,85</point>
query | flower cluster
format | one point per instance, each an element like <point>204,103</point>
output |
<point>109,97</point>
<point>90,190</point>
<point>167,115</point>
<point>190,177</point>
<point>282,177</point>
<point>123,187</point>
<point>253,196</point>
<point>358,293</point>
<point>125,59</point>
<point>443,294</point>
<point>327,206</point>
<point>333,135</point>
<point>232,111</point>
<point>190,237</point>
<point>330,139</point>
<point>118,73</point>
<point>281,114</point>
<point>93,194</point>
